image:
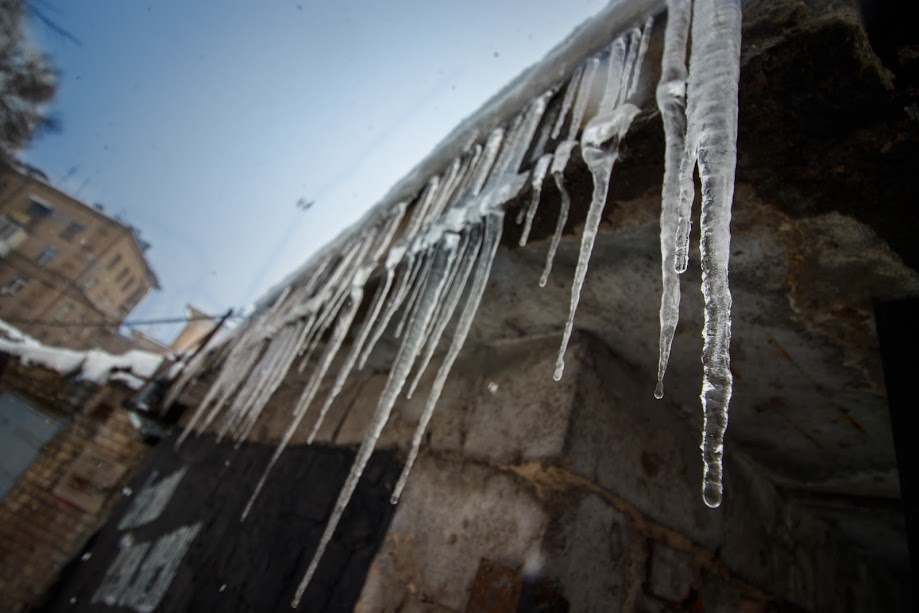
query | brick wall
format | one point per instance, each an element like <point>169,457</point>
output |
<point>68,492</point>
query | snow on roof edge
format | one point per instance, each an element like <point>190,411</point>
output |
<point>586,39</point>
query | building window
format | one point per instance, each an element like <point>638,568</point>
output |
<point>72,230</point>
<point>38,210</point>
<point>121,275</point>
<point>15,286</point>
<point>8,228</point>
<point>88,284</point>
<point>127,284</point>
<point>44,258</point>
<point>114,261</point>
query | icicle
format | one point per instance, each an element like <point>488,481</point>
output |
<point>413,296</point>
<point>466,257</point>
<point>486,161</point>
<point>671,100</point>
<point>613,124</point>
<point>442,306</point>
<point>444,193</point>
<point>353,354</point>
<point>254,353</point>
<point>323,322</point>
<point>521,137</point>
<point>539,175</point>
<point>642,50</point>
<point>420,211</point>
<point>469,174</point>
<point>338,336</point>
<point>616,71</point>
<point>407,353</point>
<point>288,355</point>
<point>393,260</point>
<point>261,377</point>
<point>711,142</point>
<point>492,238</point>
<point>397,298</point>
<point>396,216</point>
<point>567,100</point>
<point>559,161</point>
<point>503,161</point>
<point>584,93</point>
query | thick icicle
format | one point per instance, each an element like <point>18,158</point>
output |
<point>711,142</point>
<point>560,161</point>
<point>408,352</point>
<point>539,175</point>
<point>601,165</point>
<point>611,122</point>
<point>671,100</point>
<point>584,93</point>
<point>492,238</point>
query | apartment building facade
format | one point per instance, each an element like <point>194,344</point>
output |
<point>69,273</point>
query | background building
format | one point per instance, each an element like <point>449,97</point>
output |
<point>69,274</point>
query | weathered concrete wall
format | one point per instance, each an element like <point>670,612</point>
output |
<point>598,491</point>
<point>589,486</point>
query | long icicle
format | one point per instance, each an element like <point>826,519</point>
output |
<point>353,354</point>
<point>559,161</point>
<point>671,100</point>
<point>539,175</point>
<point>711,142</point>
<point>404,282</point>
<point>399,373</point>
<point>431,335</point>
<point>570,90</point>
<point>456,285</point>
<point>611,122</point>
<point>492,238</point>
<point>413,296</point>
<point>338,336</point>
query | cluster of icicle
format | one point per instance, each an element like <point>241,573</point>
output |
<point>431,262</point>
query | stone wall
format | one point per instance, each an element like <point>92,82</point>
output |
<point>593,485</point>
<point>581,495</point>
<point>68,492</point>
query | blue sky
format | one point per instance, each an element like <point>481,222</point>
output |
<point>203,123</point>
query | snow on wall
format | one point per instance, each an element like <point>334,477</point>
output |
<point>132,368</point>
<point>432,250</point>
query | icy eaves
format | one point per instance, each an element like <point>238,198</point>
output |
<point>588,39</point>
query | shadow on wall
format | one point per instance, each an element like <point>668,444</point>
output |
<point>176,542</point>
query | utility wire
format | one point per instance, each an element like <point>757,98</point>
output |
<point>113,324</point>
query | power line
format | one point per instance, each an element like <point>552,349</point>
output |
<point>114,324</point>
